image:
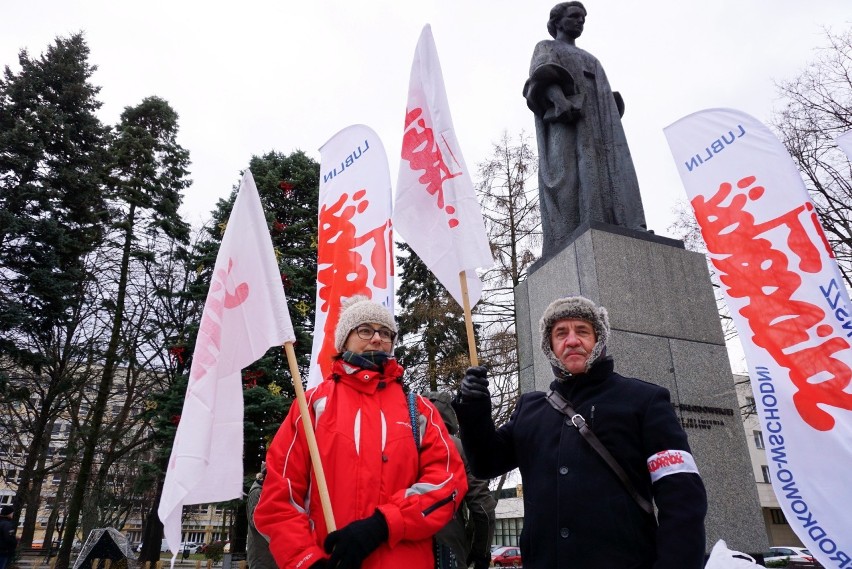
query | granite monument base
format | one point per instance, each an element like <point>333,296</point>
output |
<point>666,330</point>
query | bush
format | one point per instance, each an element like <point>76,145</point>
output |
<point>215,551</point>
<point>783,562</point>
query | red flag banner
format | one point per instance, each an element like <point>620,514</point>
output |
<point>791,310</point>
<point>436,210</point>
<point>245,314</point>
<point>355,244</point>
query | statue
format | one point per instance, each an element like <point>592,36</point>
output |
<point>585,170</point>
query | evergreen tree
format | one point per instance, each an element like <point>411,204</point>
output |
<point>288,186</point>
<point>52,212</point>
<point>432,335</point>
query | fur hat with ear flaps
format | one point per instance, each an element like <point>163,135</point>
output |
<point>359,310</point>
<point>580,308</point>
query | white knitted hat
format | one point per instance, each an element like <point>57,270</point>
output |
<point>574,307</point>
<point>359,310</point>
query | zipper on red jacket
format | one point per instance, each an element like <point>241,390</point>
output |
<point>439,503</point>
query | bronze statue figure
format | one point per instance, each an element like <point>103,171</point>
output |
<point>586,173</point>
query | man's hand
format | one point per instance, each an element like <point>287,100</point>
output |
<point>475,385</point>
<point>351,545</point>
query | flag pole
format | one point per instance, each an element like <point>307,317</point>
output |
<point>468,320</point>
<point>322,488</point>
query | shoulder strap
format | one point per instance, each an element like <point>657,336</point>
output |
<point>563,406</point>
<point>412,413</point>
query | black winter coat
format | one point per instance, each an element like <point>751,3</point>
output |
<point>8,541</point>
<point>577,514</point>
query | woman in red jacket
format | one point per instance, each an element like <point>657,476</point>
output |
<point>390,490</point>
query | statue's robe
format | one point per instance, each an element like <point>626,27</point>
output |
<point>586,173</point>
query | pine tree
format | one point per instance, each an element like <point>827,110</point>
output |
<point>432,335</point>
<point>288,186</point>
<point>53,163</point>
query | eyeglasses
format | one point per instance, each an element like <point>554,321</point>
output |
<point>367,332</point>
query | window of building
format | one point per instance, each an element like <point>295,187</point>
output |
<point>765,470</point>
<point>777,516</point>
<point>758,439</point>
<point>507,531</point>
<point>750,407</point>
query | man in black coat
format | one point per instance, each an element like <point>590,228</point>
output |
<point>578,512</point>
<point>8,541</point>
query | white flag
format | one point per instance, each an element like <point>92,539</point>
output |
<point>844,141</point>
<point>245,314</point>
<point>791,310</point>
<point>436,210</point>
<point>355,244</point>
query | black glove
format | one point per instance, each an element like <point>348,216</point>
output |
<point>352,544</point>
<point>321,564</point>
<point>474,385</point>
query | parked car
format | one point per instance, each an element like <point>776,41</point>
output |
<point>225,544</point>
<point>190,546</point>
<point>508,556</point>
<point>163,547</point>
<point>796,557</point>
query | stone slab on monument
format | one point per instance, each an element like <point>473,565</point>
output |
<point>666,330</point>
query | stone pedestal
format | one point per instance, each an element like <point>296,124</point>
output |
<point>666,330</point>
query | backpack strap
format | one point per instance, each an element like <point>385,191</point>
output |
<point>412,413</point>
<point>564,406</point>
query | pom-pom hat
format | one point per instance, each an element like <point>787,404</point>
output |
<point>359,310</point>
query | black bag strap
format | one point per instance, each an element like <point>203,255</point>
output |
<point>563,406</point>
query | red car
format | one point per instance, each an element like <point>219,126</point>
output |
<point>506,557</point>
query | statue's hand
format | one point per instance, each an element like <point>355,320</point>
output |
<point>565,109</point>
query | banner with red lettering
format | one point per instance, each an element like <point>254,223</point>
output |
<point>436,210</point>
<point>355,244</point>
<point>244,315</point>
<point>791,310</point>
<point>844,141</point>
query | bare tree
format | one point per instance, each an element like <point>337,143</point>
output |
<point>685,227</point>
<point>512,219</point>
<point>818,107</point>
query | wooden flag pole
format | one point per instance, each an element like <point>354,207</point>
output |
<point>309,435</point>
<point>468,320</point>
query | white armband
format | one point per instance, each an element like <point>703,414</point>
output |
<point>670,462</point>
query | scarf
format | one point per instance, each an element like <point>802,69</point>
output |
<point>372,361</point>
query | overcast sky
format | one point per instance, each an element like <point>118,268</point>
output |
<point>252,76</point>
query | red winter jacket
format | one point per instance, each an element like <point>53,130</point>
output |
<point>370,460</point>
